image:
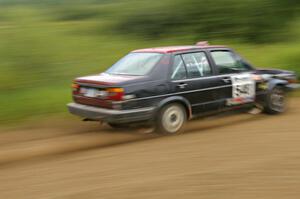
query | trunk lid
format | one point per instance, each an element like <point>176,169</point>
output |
<point>105,80</point>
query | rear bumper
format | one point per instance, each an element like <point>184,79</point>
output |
<point>108,115</point>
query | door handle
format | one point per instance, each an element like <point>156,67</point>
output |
<point>227,79</point>
<point>182,85</point>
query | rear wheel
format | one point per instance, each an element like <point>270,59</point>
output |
<point>171,119</point>
<point>276,101</point>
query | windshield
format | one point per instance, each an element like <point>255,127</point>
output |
<point>135,64</point>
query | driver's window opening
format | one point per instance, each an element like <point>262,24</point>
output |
<point>227,62</point>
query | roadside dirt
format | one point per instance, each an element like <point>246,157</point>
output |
<point>239,156</point>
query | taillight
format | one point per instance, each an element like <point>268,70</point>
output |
<point>75,87</point>
<point>115,94</point>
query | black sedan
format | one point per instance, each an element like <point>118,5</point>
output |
<point>166,86</point>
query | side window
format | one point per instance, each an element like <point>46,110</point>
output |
<point>178,69</point>
<point>227,62</point>
<point>196,64</point>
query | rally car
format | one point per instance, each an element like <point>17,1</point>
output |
<point>166,86</point>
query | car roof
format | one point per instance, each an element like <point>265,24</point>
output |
<point>172,49</point>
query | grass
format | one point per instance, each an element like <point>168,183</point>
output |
<point>41,52</point>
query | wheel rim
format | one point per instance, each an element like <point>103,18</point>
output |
<point>173,119</point>
<point>277,99</point>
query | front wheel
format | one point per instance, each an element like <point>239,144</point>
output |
<point>276,101</point>
<point>171,119</point>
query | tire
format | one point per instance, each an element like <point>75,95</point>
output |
<point>276,101</point>
<point>171,119</point>
<point>117,126</point>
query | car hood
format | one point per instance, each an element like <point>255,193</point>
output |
<point>273,71</point>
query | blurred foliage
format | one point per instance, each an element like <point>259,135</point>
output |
<point>248,20</point>
<point>44,44</point>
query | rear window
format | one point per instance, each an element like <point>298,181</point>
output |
<point>135,64</point>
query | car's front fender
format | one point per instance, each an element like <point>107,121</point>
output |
<point>276,82</point>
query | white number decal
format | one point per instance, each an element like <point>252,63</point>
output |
<point>243,89</point>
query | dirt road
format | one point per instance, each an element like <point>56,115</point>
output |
<point>240,156</point>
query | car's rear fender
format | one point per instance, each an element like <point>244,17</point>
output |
<point>176,99</point>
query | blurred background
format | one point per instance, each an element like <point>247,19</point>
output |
<point>45,152</point>
<point>44,44</point>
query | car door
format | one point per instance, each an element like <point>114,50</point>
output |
<point>238,87</point>
<point>192,78</point>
